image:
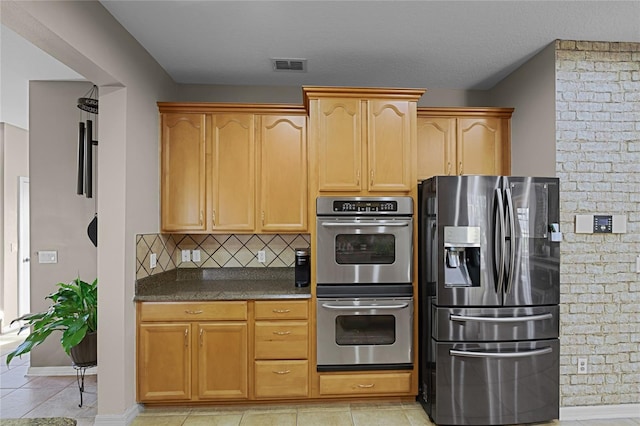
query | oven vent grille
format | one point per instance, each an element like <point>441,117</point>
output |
<point>291,65</point>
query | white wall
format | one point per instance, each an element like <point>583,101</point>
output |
<point>531,91</point>
<point>59,217</point>
<point>14,161</point>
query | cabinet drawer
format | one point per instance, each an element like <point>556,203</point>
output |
<point>356,384</point>
<point>281,379</point>
<point>282,309</point>
<point>281,339</point>
<point>193,311</point>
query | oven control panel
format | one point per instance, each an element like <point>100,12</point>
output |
<point>365,206</point>
<point>370,206</point>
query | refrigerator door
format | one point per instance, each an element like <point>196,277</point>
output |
<point>495,383</point>
<point>533,260</point>
<point>461,215</point>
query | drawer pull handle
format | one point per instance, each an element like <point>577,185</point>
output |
<point>281,333</point>
<point>367,386</point>
<point>186,337</point>
<point>282,372</point>
<point>193,312</point>
<point>282,311</point>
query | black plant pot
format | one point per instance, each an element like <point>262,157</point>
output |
<point>85,353</point>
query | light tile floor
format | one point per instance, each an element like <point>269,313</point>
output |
<point>23,396</point>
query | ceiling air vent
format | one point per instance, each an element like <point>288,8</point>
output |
<point>294,65</point>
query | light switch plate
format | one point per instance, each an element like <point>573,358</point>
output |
<point>195,255</point>
<point>50,256</point>
<point>153,260</point>
<point>186,255</point>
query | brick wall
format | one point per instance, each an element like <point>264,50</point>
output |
<point>598,163</point>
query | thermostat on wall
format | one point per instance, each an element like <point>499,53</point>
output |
<point>601,224</point>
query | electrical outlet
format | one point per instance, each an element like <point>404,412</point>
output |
<point>186,255</point>
<point>262,256</point>
<point>153,260</point>
<point>195,255</point>
<point>582,366</point>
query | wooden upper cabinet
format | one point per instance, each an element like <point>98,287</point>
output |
<point>183,172</point>
<point>234,168</point>
<point>232,172</point>
<point>469,141</point>
<point>282,179</point>
<point>389,145</point>
<point>338,140</point>
<point>362,140</point>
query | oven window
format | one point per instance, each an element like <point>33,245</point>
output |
<point>367,249</point>
<point>353,330</point>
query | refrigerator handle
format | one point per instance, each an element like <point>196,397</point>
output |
<point>523,354</point>
<point>512,241</point>
<point>539,317</point>
<point>499,239</point>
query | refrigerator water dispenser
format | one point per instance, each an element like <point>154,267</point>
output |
<point>462,256</point>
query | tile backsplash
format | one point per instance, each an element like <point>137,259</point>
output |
<point>216,250</point>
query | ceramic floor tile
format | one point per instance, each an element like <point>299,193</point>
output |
<point>324,418</point>
<point>217,420</point>
<point>21,401</point>
<point>268,419</point>
<point>65,404</point>
<point>609,422</point>
<point>59,382</point>
<point>417,417</point>
<point>177,420</point>
<point>15,377</point>
<point>217,410</point>
<point>328,406</point>
<point>164,411</point>
<point>379,418</point>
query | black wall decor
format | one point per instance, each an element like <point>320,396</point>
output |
<point>86,142</point>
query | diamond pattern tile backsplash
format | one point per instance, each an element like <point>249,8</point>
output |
<point>216,251</point>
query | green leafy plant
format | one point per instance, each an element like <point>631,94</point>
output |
<point>74,312</point>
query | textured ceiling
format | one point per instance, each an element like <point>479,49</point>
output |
<point>430,44</point>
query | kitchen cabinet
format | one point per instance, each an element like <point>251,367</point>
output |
<point>183,171</point>
<point>190,351</point>
<point>457,141</point>
<point>252,168</point>
<point>201,351</point>
<point>353,384</point>
<point>362,140</point>
<point>281,331</point>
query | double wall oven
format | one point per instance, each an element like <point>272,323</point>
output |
<point>364,255</point>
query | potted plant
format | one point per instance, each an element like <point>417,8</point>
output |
<point>74,312</point>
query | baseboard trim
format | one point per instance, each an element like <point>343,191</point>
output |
<point>58,371</point>
<point>620,411</point>
<point>123,419</point>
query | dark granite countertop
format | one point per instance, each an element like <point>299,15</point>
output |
<point>220,284</point>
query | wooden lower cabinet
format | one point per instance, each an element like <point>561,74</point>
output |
<point>282,379</point>
<point>365,384</point>
<point>192,351</point>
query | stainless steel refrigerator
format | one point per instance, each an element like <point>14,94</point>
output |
<point>489,262</point>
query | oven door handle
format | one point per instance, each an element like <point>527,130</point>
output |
<point>363,224</point>
<point>357,308</point>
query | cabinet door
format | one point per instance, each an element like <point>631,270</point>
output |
<point>479,146</point>
<point>338,142</point>
<point>233,173</point>
<point>222,360</point>
<point>389,145</point>
<point>164,362</point>
<point>283,173</point>
<point>436,146</point>
<point>183,172</point>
